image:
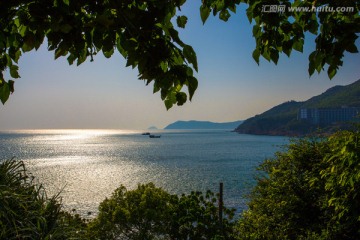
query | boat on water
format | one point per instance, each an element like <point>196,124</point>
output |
<point>154,136</point>
<point>146,133</point>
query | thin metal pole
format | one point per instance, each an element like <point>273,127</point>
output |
<point>221,205</point>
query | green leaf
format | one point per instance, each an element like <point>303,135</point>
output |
<point>266,54</point>
<point>181,98</point>
<point>352,48</point>
<point>204,13</point>
<point>168,104</point>
<point>17,56</point>
<point>14,53</point>
<point>164,92</point>
<point>331,72</point>
<point>8,61</point>
<point>311,68</point>
<point>164,66</point>
<point>313,26</point>
<point>156,88</point>
<point>29,42</point>
<point>175,36</point>
<point>256,55</point>
<point>224,15</point>
<point>287,47</point>
<point>190,55</point>
<point>181,21</point>
<point>4,92</point>
<point>256,30</point>
<point>108,43</point>
<point>11,86</point>
<point>192,84</point>
<point>14,71</point>
<point>108,54</point>
<point>71,58</point>
<point>274,55</point>
<point>97,36</point>
<point>232,8</point>
<point>249,13</point>
<point>219,6</point>
<point>189,72</point>
<point>60,52</point>
<point>319,63</point>
<point>298,45</point>
<point>82,57</point>
<point>119,46</point>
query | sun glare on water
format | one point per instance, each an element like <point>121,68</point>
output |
<point>73,134</point>
<point>85,165</point>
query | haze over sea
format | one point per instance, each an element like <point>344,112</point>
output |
<point>88,165</point>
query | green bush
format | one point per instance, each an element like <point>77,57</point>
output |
<point>143,213</point>
<point>27,213</point>
<point>341,176</point>
<point>309,191</point>
<point>149,212</point>
<point>197,217</point>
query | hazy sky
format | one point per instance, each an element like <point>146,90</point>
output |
<point>105,94</point>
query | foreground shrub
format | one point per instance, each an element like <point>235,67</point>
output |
<point>310,191</point>
<point>27,213</point>
<point>139,214</point>
<point>149,212</point>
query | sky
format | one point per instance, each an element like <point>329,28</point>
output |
<point>104,94</point>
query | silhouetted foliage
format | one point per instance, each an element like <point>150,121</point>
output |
<point>144,34</point>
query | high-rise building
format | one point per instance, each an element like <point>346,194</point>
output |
<point>325,116</point>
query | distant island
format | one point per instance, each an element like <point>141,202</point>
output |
<point>203,125</point>
<point>330,111</point>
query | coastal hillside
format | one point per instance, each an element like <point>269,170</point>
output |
<point>203,125</point>
<point>284,119</point>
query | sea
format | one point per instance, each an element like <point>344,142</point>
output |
<point>86,166</point>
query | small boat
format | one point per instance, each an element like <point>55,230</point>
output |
<point>154,136</point>
<point>146,133</point>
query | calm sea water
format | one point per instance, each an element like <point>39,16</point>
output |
<point>87,165</point>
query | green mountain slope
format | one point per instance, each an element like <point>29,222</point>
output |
<point>282,119</point>
<point>337,96</point>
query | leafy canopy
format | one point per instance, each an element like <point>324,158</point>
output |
<point>336,26</point>
<point>142,31</point>
<point>145,35</point>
